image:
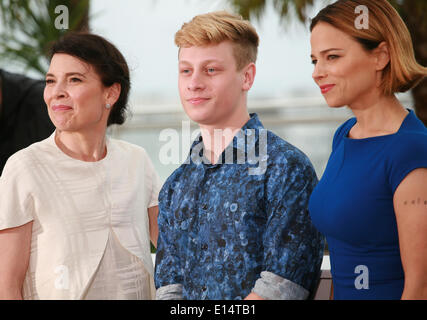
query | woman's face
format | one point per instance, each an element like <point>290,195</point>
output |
<point>74,95</point>
<point>345,72</point>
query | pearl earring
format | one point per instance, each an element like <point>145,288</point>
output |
<point>108,106</point>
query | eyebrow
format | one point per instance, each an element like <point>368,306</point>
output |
<point>67,74</point>
<point>327,50</point>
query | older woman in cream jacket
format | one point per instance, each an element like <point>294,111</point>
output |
<point>78,210</point>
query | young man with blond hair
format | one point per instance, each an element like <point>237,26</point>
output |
<point>233,218</point>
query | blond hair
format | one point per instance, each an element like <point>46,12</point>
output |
<point>385,25</point>
<point>216,27</point>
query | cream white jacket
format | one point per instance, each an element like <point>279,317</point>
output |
<point>74,205</point>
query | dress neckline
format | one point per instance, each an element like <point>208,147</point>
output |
<point>89,163</point>
<point>376,138</point>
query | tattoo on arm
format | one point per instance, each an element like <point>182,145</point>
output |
<point>417,201</point>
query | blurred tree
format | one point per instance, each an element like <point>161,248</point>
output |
<point>413,12</point>
<point>28,28</point>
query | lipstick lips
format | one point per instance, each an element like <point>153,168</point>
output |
<point>61,108</point>
<point>327,87</point>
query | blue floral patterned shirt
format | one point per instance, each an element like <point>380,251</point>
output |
<point>239,225</point>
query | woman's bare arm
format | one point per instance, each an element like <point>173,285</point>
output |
<point>15,246</point>
<point>410,204</point>
<point>153,213</point>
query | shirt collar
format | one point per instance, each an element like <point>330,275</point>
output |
<point>240,140</point>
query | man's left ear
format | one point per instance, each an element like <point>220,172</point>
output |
<point>249,76</point>
<point>382,56</point>
<point>113,93</point>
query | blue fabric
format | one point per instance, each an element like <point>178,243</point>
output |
<point>353,207</point>
<point>220,226</point>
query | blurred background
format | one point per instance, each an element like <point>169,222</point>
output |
<point>284,94</point>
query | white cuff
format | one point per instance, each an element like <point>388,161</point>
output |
<point>273,287</point>
<point>169,292</point>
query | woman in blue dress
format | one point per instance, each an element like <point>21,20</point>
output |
<point>371,202</point>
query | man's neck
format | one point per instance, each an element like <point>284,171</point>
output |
<point>217,137</point>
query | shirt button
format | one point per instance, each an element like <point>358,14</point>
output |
<point>204,206</point>
<point>204,288</point>
<point>204,246</point>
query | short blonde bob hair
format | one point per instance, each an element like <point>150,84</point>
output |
<point>215,27</point>
<point>385,25</point>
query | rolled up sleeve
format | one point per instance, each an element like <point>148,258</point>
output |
<point>273,287</point>
<point>293,248</point>
<point>168,272</point>
<point>169,292</point>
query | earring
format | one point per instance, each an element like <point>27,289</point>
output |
<point>108,106</point>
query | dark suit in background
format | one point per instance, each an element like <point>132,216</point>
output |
<point>23,114</point>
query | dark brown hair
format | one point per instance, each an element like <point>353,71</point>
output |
<point>106,59</point>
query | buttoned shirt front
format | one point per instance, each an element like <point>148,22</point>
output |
<point>239,225</point>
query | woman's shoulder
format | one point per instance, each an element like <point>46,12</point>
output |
<point>342,130</point>
<point>408,151</point>
<point>127,146</point>
<point>21,168</point>
<point>412,143</point>
<point>30,154</point>
<point>346,126</point>
<point>412,133</point>
<point>130,151</point>
<point>408,148</point>
<point>413,128</point>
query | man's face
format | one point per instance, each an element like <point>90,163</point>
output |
<point>211,88</point>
